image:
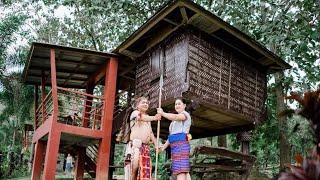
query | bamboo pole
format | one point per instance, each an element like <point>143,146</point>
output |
<point>158,127</point>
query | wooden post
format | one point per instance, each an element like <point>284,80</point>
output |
<point>244,138</point>
<point>79,167</point>
<point>54,133</point>
<point>38,160</point>
<point>222,141</point>
<point>36,105</point>
<point>51,154</point>
<point>43,94</point>
<point>103,159</point>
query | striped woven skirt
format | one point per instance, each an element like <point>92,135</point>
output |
<point>180,150</point>
<point>145,166</point>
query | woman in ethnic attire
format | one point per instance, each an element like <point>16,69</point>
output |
<point>178,140</point>
<point>138,160</point>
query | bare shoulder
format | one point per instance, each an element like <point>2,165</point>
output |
<point>134,114</point>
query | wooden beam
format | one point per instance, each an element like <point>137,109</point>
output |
<point>64,75</point>
<point>50,163</point>
<point>97,76</point>
<point>102,171</point>
<point>61,69</point>
<point>74,51</point>
<point>216,168</point>
<point>171,22</point>
<point>80,131</point>
<point>240,35</point>
<point>184,15</point>
<point>26,69</point>
<point>161,36</point>
<point>146,27</point>
<point>36,105</point>
<point>43,130</point>
<point>265,61</point>
<point>223,152</point>
<point>130,53</point>
<point>190,20</point>
<point>38,160</point>
<point>79,165</point>
<point>75,70</point>
<point>43,59</point>
<point>127,77</point>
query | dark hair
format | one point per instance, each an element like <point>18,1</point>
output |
<point>191,105</point>
<point>183,100</point>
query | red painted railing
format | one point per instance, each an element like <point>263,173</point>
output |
<point>80,109</point>
<point>75,108</point>
<point>44,110</point>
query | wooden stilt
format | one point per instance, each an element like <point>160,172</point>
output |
<point>38,160</point>
<point>102,171</point>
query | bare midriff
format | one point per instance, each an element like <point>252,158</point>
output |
<point>141,130</point>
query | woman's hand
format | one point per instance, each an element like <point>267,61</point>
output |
<point>161,148</point>
<point>160,111</point>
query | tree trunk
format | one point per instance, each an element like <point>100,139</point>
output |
<point>12,154</point>
<point>284,144</point>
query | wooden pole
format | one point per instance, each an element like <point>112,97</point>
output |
<point>158,127</point>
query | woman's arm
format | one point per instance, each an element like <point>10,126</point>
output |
<point>171,116</point>
<point>164,147</point>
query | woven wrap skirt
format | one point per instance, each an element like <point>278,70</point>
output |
<point>180,150</point>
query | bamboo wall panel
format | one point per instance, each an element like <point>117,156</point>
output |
<point>221,77</point>
<point>173,52</point>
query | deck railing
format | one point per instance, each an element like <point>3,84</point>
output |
<point>80,109</point>
<point>74,108</point>
<point>44,110</point>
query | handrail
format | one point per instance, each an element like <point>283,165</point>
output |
<point>45,99</point>
<point>80,93</point>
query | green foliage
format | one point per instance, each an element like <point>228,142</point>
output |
<point>290,28</point>
<point>9,24</point>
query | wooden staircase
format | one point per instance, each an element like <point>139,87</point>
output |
<point>92,150</point>
<point>90,160</point>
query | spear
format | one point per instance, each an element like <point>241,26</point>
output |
<point>158,127</point>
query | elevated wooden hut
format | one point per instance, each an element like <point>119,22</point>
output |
<point>206,60</point>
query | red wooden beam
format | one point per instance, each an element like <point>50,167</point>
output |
<point>54,85</point>
<point>79,171</point>
<point>80,131</point>
<point>52,150</point>
<point>54,133</point>
<point>42,130</point>
<point>97,75</point>
<point>38,160</point>
<point>43,93</point>
<point>102,171</point>
<point>36,105</point>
